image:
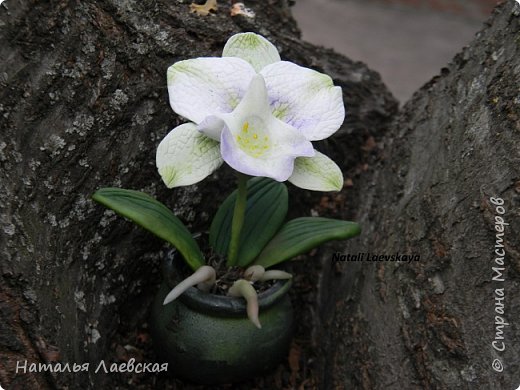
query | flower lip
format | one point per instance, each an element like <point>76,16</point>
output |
<point>253,141</point>
<point>253,138</point>
<point>277,163</point>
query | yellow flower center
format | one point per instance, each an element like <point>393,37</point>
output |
<point>253,139</point>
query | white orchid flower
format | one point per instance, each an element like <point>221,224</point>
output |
<point>255,112</point>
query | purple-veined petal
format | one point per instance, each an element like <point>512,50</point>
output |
<point>305,99</point>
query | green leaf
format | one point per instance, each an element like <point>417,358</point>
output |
<point>301,235</point>
<point>154,217</point>
<point>267,203</point>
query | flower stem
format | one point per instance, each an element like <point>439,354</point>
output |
<point>238,219</point>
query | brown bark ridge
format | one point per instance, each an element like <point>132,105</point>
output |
<point>84,105</point>
<point>430,324</point>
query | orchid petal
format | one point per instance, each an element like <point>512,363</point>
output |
<point>305,99</point>
<point>253,48</point>
<point>205,86</point>
<point>185,156</point>
<point>318,173</point>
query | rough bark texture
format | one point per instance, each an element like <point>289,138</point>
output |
<point>431,324</point>
<point>84,105</point>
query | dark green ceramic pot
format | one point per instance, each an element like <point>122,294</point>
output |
<point>208,339</point>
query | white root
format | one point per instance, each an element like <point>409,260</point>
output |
<point>258,273</point>
<point>203,278</point>
<point>274,275</point>
<point>254,273</point>
<point>243,288</point>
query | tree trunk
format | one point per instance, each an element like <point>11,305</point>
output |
<point>83,106</point>
<point>451,154</point>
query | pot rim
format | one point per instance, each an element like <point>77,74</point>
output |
<point>221,304</point>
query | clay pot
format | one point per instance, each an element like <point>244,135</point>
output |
<point>208,338</point>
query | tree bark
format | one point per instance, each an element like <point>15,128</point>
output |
<point>83,106</point>
<point>431,323</point>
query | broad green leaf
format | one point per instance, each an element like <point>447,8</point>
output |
<point>154,217</point>
<point>267,203</point>
<point>301,235</point>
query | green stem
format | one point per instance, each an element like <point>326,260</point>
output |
<point>238,220</point>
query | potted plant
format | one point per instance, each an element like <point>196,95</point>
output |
<point>231,318</point>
